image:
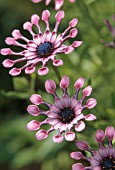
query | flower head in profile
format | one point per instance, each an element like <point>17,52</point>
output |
<point>65,114</point>
<point>112,32</point>
<point>102,159</point>
<point>42,47</point>
<point>58,3</point>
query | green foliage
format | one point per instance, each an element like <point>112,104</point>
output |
<point>19,148</point>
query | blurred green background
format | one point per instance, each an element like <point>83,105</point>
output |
<point>19,150</point>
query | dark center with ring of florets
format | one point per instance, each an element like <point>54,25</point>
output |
<point>45,49</point>
<point>108,163</point>
<point>67,115</point>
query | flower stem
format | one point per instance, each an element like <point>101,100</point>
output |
<point>32,83</point>
<point>57,72</point>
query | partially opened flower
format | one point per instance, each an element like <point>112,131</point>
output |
<point>102,159</point>
<point>58,3</point>
<point>112,31</point>
<point>42,47</point>
<point>65,114</point>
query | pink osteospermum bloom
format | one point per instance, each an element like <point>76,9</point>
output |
<point>42,47</point>
<point>104,158</point>
<point>64,114</point>
<point>112,31</point>
<point>58,3</point>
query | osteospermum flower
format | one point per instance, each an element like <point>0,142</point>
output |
<point>42,47</point>
<point>58,3</point>
<point>64,113</point>
<point>112,31</point>
<point>102,159</point>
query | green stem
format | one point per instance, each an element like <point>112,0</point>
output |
<point>57,73</point>
<point>32,83</point>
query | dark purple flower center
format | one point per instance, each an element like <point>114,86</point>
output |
<point>45,49</point>
<point>108,163</point>
<point>67,115</point>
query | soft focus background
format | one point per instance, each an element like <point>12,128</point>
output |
<point>19,150</point>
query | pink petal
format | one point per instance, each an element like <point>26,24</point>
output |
<point>64,83</point>
<point>43,71</point>
<point>91,103</point>
<point>76,155</point>
<point>80,126</point>
<point>8,63</point>
<point>87,91</point>
<point>70,136</point>
<point>58,138</point>
<point>57,62</point>
<point>6,51</point>
<point>58,4</point>
<point>97,168</point>
<point>50,86</point>
<point>77,166</point>
<point>29,70</point>
<point>59,16</point>
<point>90,117</point>
<point>73,33</point>
<point>47,2</point>
<point>36,1</point>
<point>15,71</point>
<point>110,132</point>
<point>10,41</point>
<point>33,110</point>
<point>27,26</point>
<point>100,135</point>
<point>33,125</point>
<point>69,49</point>
<point>79,83</point>
<point>73,22</point>
<point>82,145</point>
<point>72,1</point>
<point>35,19</point>
<point>77,43</point>
<point>45,15</point>
<point>41,134</point>
<point>36,99</point>
<point>16,34</point>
